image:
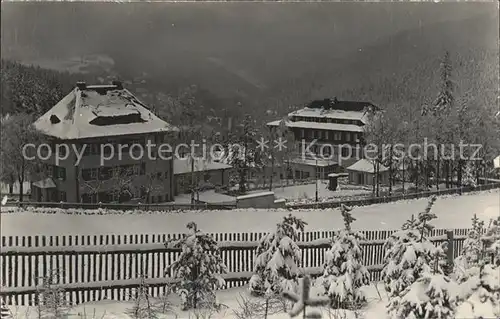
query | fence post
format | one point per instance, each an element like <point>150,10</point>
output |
<point>450,249</point>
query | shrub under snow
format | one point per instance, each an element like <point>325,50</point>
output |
<point>481,293</point>
<point>432,296</point>
<point>413,273</point>
<point>472,251</point>
<point>343,272</point>
<point>480,279</point>
<point>198,269</point>
<point>276,266</point>
<point>407,253</point>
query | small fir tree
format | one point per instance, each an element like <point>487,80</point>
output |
<point>408,252</point>
<point>427,291</point>
<point>492,242</point>
<point>143,307</point>
<point>343,272</point>
<point>276,267</point>
<point>428,297</point>
<point>198,268</point>
<point>472,251</point>
<point>480,293</point>
<point>480,285</point>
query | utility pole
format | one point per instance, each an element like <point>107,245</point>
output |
<point>192,178</point>
<point>316,179</point>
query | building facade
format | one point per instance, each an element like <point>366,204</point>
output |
<point>108,146</point>
<point>330,131</point>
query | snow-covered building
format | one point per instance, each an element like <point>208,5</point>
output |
<point>203,172</point>
<point>363,173</point>
<point>323,126</point>
<point>104,128</point>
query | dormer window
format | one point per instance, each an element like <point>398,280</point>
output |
<point>54,119</point>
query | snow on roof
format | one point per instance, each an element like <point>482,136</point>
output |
<point>97,111</point>
<point>183,165</point>
<point>331,113</point>
<point>320,126</point>
<point>321,162</point>
<point>45,183</point>
<point>253,195</point>
<point>364,165</point>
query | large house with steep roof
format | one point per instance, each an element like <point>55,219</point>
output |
<point>85,120</point>
<point>321,128</point>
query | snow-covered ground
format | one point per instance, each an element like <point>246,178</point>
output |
<point>230,299</point>
<point>452,211</point>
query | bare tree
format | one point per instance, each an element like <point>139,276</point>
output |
<point>19,163</point>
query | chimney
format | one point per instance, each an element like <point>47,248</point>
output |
<point>81,85</point>
<point>118,84</point>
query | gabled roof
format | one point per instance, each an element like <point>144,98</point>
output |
<point>98,111</point>
<point>320,126</point>
<point>366,166</point>
<point>334,104</point>
<point>331,113</point>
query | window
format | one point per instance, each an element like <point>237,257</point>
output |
<point>345,152</point>
<point>158,175</point>
<point>50,171</point>
<point>61,173</point>
<point>62,196</point>
<point>326,135</point>
<point>166,175</point>
<point>302,133</point>
<point>337,136</point>
<point>348,136</point>
<point>143,168</point>
<point>86,174</point>
<point>94,173</point>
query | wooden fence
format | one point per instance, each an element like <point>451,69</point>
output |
<point>122,206</point>
<point>386,199</point>
<point>91,268</point>
<point>493,184</point>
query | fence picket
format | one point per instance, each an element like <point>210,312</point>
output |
<point>105,265</point>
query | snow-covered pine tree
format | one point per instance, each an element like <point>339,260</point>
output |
<point>480,293</point>
<point>276,267</point>
<point>198,268</point>
<point>472,251</point>
<point>492,242</point>
<point>343,271</point>
<point>431,296</point>
<point>417,285</point>
<point>408,251</point>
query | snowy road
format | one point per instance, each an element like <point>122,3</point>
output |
<point>453,212</point>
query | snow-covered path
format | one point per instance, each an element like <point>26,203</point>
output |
<point>453,212</point>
